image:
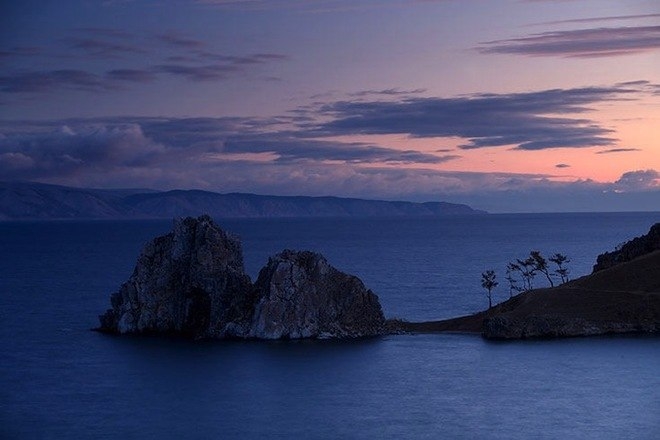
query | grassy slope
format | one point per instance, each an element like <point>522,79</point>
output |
<point>625,293</point>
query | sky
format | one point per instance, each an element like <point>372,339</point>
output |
<point>506,105</point>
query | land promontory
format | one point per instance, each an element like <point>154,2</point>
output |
<point>622,295</point>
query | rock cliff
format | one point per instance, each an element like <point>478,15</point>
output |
<point>630,250</point>
<point>191,282</point>
<point>301,296</point>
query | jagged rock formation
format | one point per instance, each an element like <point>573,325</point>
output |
<point>630,250</point>
<point>191,282</point>
<point>301,296</point>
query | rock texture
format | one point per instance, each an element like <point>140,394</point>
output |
<point>557,326</point>
<point>630,250</point>
<point>191,282</point>
<point>301,296</point>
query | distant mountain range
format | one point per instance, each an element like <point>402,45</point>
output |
<point>26,200</point>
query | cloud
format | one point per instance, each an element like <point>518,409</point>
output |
<point>125,62</point>
<point>228,65</point>
<point>19,51</point>
<point>177,40</point>
<point>580,43</point>
<point>217,154</point>
<point>528,121</point>
<point>316,6</point>
<point>562,165</point>
<point>68,151</point>
<point>237,61</point>
<point>95,47</point>
<point>211,72</point>
<point>638,181</point>
<point>386,92</point>
<point>617,150</point>
<point>105,32</point>
<point>45,81</point>
<point>298,5</point>
<point>601,19</point>
<point>290,149</point>
<point>80,150</point>
<point>131,75</point>
<point>34,81</point>
<point>246,136</point>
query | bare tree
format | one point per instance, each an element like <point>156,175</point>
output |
<point>511,269</point>
<point>488,282</point>
<point>562,271</point>
<point>541,265</point>
<point>527,271</point>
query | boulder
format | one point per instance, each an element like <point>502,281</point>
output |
<point>300,295</point>
<point>189,282</point>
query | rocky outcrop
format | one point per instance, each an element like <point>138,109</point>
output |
<point>630,250</point>
<point>301,296</point>
<point>191,282</point>
<point>549,326</point>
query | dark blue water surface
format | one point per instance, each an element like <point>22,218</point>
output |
<point>60,380</point>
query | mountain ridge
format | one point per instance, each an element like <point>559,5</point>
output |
<point>30,200</point>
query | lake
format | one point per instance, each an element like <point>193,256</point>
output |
<point>60,380</point>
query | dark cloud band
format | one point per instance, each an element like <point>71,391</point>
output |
<point>522,120</point>
<point>581,43</point>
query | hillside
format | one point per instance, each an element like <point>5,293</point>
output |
<point>622,298</point>
<point>22,200</point>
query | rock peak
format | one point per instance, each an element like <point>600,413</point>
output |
<point>300,295</point>
<point>192,282</point>
<point>186,282</point>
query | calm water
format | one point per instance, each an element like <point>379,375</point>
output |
<point>59,380</point>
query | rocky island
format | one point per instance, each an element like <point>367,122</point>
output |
<point>192,283</point>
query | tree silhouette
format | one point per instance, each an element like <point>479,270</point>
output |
<point>511,269</point>
<point>488,282</point>
<point>562,271</point>
<point>524,271</point>
<point>541,265</point>
<point>527,271</point>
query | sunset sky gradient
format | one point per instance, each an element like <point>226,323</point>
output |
<point>510,106</point>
